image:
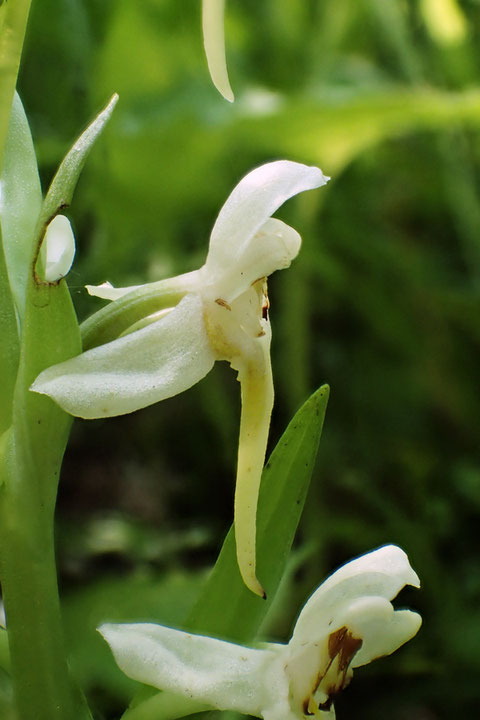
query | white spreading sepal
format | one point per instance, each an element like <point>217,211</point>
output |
<point>159,361</point>
<point>215,672</point>
<point>106,291</point>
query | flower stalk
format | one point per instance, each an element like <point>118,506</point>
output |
<point>42,686</point>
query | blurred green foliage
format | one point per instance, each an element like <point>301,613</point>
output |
<point>382,303</point>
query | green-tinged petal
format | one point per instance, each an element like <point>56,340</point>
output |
<point>221,674</point>
<point>20,201</point>
<point>135,371</point>
<point>132,304</point>
<point>256,197</point>
<point>106,291</point>
<point>214,40</point>
<point>381,573</point>
<point>59,248</point>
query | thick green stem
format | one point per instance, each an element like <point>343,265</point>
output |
<point>30,460</point>
<point>42,687</point>
<point>13,23</point>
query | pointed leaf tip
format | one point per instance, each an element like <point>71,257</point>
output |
<point>61,190</point>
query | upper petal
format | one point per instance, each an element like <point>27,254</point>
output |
<point>218,673</point>
<point>272,248</point>
<point>381,573</point>
<point>256,197</point>
<point>137,370</point>
<point>381,628</point>
<point>107,291</point>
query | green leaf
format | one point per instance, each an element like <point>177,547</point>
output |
<point>226,608</point>
<point>21,200</point>
<point>13,21</point>
<point>4,651</point>
<point>60,192</point>
<point>9,348</point>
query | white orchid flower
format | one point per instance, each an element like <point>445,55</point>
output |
<point>214,41</point>
<point>222,315</point>
<point>347,622</point>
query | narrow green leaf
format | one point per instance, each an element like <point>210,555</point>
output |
<point>226,608</point>
<point>13,21</point>
<point>4,651</point>
<point>20,202</point>
<point>9,348</point>
<point>60,192</point>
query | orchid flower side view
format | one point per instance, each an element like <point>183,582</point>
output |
<point>347,622</point>
<point>166,631</point>
<point>219,312</point>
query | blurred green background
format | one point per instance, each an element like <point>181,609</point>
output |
<point>382,303</point>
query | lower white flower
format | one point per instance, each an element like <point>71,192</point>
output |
<point>347,622</point>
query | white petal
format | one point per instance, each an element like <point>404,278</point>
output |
<point>214,41</point>
<point>272,248</point>
<point>187,282</point>
<point>59,244</point>
<point>382,629</point>
<point>137,370</point>
<point>256,197</point>
<point>106,291</point>
<point>221,674</point>
<point>383,573</point>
